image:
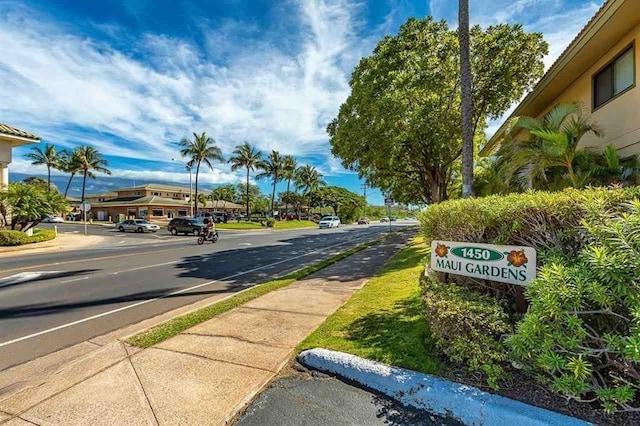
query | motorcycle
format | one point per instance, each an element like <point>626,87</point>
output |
<point>212,236</point>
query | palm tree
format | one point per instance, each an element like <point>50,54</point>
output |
<point>273,168</point>
<point>308,179</point>
<point>202,149</point>
<point>91,161</point>
<point>47,156</point>
<point>467,99</point>
<point>70,163</point>
<point>223,192</point>
<point>552,143</point>
<point>202,199</point>
<point>247,157</point>
<point>289,167</point>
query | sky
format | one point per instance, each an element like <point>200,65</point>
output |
<point>134,77</point>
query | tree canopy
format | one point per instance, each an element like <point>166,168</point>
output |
<point>400,128</point>
<point>343,202</point>
<point>24,205</point>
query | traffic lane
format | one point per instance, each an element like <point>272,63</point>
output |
<point>103,230</point>
<point>33,318</point>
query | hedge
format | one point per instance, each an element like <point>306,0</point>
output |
<point>18,238</point>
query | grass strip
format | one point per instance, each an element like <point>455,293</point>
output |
<point>285,224</point>
<point>292,224</point>
<point>384,321</point>
<point>177,325</point>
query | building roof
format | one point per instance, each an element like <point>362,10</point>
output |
<point>13,133</point>
<point>607,26</point>
<point>223,205</point>
<point>153,200</point>
<point>155,186</point>
<point>102,195</point>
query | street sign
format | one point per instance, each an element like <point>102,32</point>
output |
<point>389,201</point>
<point>85,206</point>
<point>506,264</point>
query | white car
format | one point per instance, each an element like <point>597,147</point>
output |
<point>137,225</point>
<point>53,219</point>
<point>329,222</point>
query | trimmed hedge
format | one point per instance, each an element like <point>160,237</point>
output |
<point>18,238</point>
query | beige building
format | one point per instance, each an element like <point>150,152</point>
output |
<point>599,70</point>
<point>151,201</point>
<point>11,137</point>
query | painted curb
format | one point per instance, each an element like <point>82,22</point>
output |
<point>468,404</point>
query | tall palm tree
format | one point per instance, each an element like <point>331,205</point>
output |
<point>247,157</point>
<point>70,163</point>
<point>48,156</point>
<point>91,161</point>
<point>308,179</point>
<point>273,168</point>
<point>553,142</point>
<point>202,149</point>
<point>289,167</point>
<point>467,99</point>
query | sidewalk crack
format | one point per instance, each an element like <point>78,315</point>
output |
<point>144,392</point>
<point>281,311</point>
<point>215,359</point>
<point>240,339</point>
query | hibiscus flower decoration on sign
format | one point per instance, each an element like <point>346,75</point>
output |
<point>442,250</point>
<point>517,258</point>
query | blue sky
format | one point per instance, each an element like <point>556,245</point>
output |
<point>133,77</point>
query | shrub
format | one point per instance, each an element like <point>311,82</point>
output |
<point>18,238</point>
<point>582,331</point>
<point>271,222</point>
<point>467,327</point>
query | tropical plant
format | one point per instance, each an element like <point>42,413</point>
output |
<point>466,80</point>
<point>272,169</point>
<point>42,183</point>
<point>246,157</point>
<point>550,142</point>
<point>23,205</point>
<point>70,162</point>
<point>90,163</point>
<point>48,156</point>
<point>223,192</point>
<point>202,199</point>
<point>201,149</point>
<point>289,167</point>
<point>609,168</point>
<point>489,177</point>
<point>308,179</point>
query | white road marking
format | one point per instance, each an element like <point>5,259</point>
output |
<point>75,279</point>
<point>146,267</point>
<point>244,244</point>
<point>25,276</point>
<point>144,302</point>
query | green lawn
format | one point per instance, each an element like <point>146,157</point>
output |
<point>240,225</point>
<point>384,321</point>
<point>290,224</point>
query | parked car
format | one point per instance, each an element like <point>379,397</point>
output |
<point>185,225</point>
<point>137,225</point>
<point>218,217</point>
<point>329,222</point>
<point>363,221</point>
<point>384,219</point>
<point>393,218</point>
<point>53,219</point>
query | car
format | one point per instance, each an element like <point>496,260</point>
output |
<point>137,225</point>
<point>329,222</point>
<point>384,219</point>
<point>218,217</point>
<point>185,225</point>
<point>53,219</point>
<point>363,221</point>
<point>393,219</point>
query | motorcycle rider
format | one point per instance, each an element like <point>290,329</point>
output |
<point>209,228</point>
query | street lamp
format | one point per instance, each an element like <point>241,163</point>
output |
<point>190,187</point>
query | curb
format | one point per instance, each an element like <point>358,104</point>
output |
<point>468,404</point>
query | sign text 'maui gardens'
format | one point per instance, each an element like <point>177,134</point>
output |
<point>507,264</point>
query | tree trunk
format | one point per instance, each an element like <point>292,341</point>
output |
<point>84,183</point>
<point>248,193</point>
<point>286,204</point>
<point>273,195</point>
<point>68,184</point>
<point>467,99</point>
<point>48,178</point>
<point>195,198</point>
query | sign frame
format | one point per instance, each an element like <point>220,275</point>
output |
<point>501,263</point>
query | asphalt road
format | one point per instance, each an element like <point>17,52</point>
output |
<point>54,300</point>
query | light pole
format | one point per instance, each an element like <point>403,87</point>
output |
<point>190,187</point>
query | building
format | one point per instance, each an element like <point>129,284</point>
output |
<point>151,201</point>
<point>11,137</point>
<point>598,69</point>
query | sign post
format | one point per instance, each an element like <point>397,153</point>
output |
<point>85,207</point>
<point>507,264</point>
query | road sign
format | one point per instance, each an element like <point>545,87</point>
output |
<point>85,206</point>
<point>389,201</point>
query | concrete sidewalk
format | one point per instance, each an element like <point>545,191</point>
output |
<point>205,375</point>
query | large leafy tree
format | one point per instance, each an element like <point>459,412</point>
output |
<point>308,179</point>
<point>70,162</point>
<point>200,149</point>
<point>536,146</point>
<point>343,202</point>
<point>24,205</point>
<point>467,98</point>
<point>246,157</point>
<point>401,126</point>
<point>272,168</point>
<point>91,162</point>
<point>42,183</point>
<point>48,156</point>
<point>289,167</point>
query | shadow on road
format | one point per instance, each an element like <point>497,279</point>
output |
<point>17,280</point>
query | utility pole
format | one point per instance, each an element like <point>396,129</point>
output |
<point>364,187</point>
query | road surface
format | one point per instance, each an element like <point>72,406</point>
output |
<point>54,300</point>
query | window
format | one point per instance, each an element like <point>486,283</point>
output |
<point>157,194</point>
<point>615,78</point>
<point>182,212</point>
<point>157,212</point>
